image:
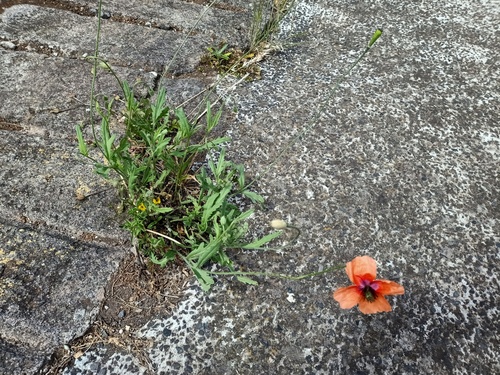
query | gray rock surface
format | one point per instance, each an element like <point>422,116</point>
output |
<point>122,44</point>
<point>49,288</point>
<point>58,252</point>
<point>403,166</point>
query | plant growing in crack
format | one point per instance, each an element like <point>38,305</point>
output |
<point>175,209</point>
<point>267,15</point>
<point>266,19</point>
<point>178,207</point>
<point>219,54</point>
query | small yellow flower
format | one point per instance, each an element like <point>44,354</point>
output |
<point>157,200</point>
<point>141,207</point>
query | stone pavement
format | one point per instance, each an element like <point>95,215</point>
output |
<point>403,166</point>
<point>57,253</point>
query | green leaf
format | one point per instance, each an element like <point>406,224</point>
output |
<point>262,241</point>
<point>247,280</point>
<point>159,107</point>
<point>223,221</point>
<point>221,164</point>
<point>169,256</point>
<point>213,203</point>
<point>223,259</point>
<point>82,146</point>
<point>195,253</point>
<point>185,128</point>
<point>107,139</point>
<point>254,197</point>
<point>211,165</point>
<point>109,144</point>
<point>209,251</point>
<point>245,215</point>
<point>132,177</point>
<point>212,120</point>
<point>160,179</point>
<point>203,278</point>
<point>163,210</point>
<point>216,228</point>
<point>160,147</point>
<point>208,145</point>
<point>241,175</point>
<point>102,170</point>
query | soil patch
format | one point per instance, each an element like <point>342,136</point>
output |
<point>137,293</point>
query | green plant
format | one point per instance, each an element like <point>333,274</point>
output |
<point>266,19</point>
<point>219,54</point>
<point>175,210</point>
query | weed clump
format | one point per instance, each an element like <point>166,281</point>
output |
<point>267,16</point>
<point>176,209</point>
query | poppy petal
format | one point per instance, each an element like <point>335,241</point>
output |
<point>379,305</point>
<point>348,296</point>
<point>389,288</point>
<point>364,266</point>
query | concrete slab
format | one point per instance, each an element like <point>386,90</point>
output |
<point>42,170</point>
<point>51,242</point>
<point>71,35</point>
<point>58,252</point>
<point>403,166</point>
<point>50,289</point>
<point>47,95</point>
<point>224,22</point>
<point>111,361</point>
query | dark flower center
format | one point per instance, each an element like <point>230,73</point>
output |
<point>369,293</point>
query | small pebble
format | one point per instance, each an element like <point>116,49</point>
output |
<point>105,14</point>
<point>8,45</point>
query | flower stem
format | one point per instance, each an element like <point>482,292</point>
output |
<point>321,109</point>
<point>94,70</point>
<point>279,275</point>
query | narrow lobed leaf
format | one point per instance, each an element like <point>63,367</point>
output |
<point>256,245</point>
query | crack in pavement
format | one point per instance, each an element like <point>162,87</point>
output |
<point>86,11</point>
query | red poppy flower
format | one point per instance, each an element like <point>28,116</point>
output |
<point>367,292</point>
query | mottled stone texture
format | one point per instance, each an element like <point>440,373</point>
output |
<point>403,165</point>
<point>58,252</point>
<point>50,286</point>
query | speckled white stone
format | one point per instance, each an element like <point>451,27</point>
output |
<point>403,166</point>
